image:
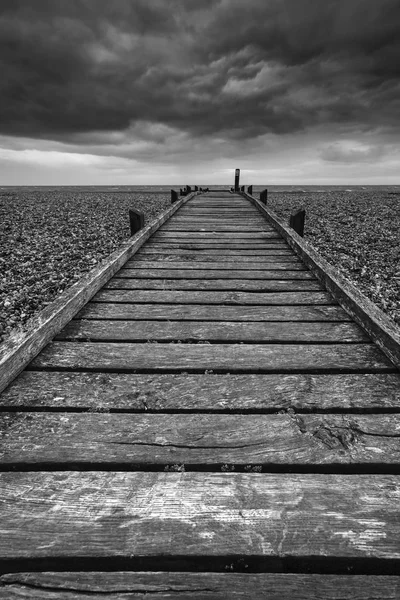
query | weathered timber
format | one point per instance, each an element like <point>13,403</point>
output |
<point>214,258</point>
<point>136,221</point>
<point>244,285</point>
<point>155,249</point>
<point>175,196</point>
<point>194,297</point>
<point>226,331</point>
<point>22,346</point>
<point>40,438</point>
<point>237,180</point>
<point>212,393</point>
<point>378,325</point>
<point>250,189</point>
<point>257,246</point>
<point>213,274</point>
<point>296,221</point>
<point>263,196</point>
<point>293,264</point>
<point>158,358</point>
<point>108,514</point>
<point>214,226</point>
<point>221,235</point>
<point>210,312</point>
<point>198,586</point>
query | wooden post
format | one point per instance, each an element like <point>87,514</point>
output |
<point>237,178</point>
<point>188,189</point>
<point>296,221</point>
<point>264,196</point>
<point>181,192</point>
<point>242,189</point>
<point>136,220</point>
<point>174,196</point>
<point>196,189</point>
<point>250,190</point>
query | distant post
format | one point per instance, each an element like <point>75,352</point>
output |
<point>296,221</point>
<point>196,189</point>
<point>250,190</point>
<point>188,189</point>
<point>136,220</point>
<point>181,192</point>
<point>174,196</point>
<point>242,189</point>
<point>264,196</point>
<point>237,178</point>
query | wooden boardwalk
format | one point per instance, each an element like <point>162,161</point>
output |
<point>211,424</point>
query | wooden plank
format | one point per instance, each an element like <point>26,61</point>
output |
<point>215,228</point>
<point>198,586</point>
<point>158,358</point>
<point>257,246</point>
<point>213,274</point>
<point>109,514</point>
<point>379,326</point>
<point>245,285</point>
<point>156,250</point>
<point>289,265</point>
<point>23,345</point>
<point>226,331</point>
<point>46,390</point>
<point>194,236</point>
<point>40,438</point>
<point>193,297</point>
<point>247,260</point>
<point>209,312</point>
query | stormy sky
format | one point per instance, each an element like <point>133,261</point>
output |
<point>184,91</point>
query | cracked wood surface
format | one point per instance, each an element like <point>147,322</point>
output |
<point>110,356</point>
<point>244,285</point>
<point>211,393</point>
<point>161,296</point>
<point>291,264</point>
<point>196,586</point>
<point>171,273</point>
<point>121,514</point>
<point>227,331</point>
<point>154,439</point>
<point>210,312</point>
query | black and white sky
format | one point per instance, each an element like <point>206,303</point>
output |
<point>168,91</point>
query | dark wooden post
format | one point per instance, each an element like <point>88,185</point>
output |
<point>264,196</point>
<point>181,192</point>
<point>188,189</point>
<point>242,188</point>
<point>250,190</point>
<point>174,196</point>
<point>136,220</point>
<point>196,189</point>
<point>237,178</point>
<point>296,221</point>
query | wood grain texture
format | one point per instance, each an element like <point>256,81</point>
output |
<point>184,312</point>
<point>108,514</point>
<point>227,298</point>
<point>152,249</point>
<point>292,264</point>
<point>248,261</point>
<point>52,439</point>
<point>168,273</point>
<point>258,245</point>
<point>216,228</point>
<point>314,358</point>
<point>22,346</point>
<point>225,331</point>
<point>124,585</point>
<point>194,236</point>
<point>160,393</point>
<point>245,285</point>
<point>380,327</point>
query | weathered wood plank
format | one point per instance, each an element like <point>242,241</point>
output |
<point>248,261</point>
<point>198,586</point>
<point>292,264</point>
<point>153,249</point>
<point>259,245</point>
<point>273,285</point>
<point>40,438</point>
<point>22,346</point>
<point>228,298</point>
<point>194,236</point>
<point>314,358</point>
<point>108,514</point>
<point>213,274</point>
<point>183,312</point>
<point>379,326</point>
<point>160,393</point>
<point>226,331</point>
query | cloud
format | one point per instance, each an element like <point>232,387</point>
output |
<point>352,152</point>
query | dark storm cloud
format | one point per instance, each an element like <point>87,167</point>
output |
<point>229,67</point>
